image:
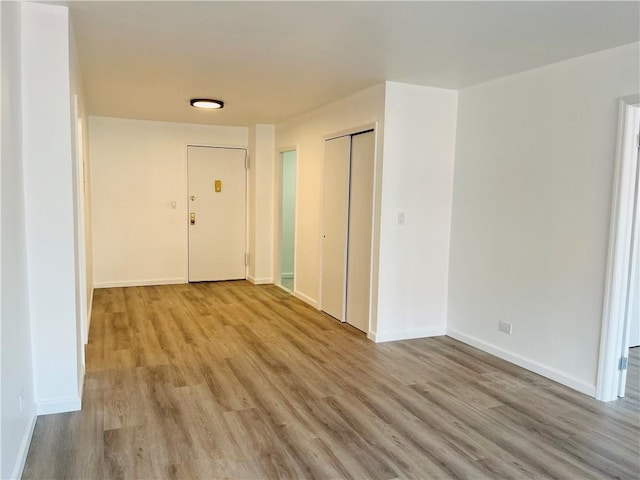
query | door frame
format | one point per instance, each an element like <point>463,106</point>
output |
<point>375,227</point>
<point>277,215</point>
<point>614,335</point>
<point>186,200</point>
<point>80,233</point>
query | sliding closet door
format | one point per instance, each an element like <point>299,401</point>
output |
<point>335,204</point>
<point>360,228</point>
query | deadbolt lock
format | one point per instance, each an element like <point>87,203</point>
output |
<point>192,218</point>
<point>193,198</point>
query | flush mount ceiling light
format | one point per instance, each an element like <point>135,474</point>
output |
<point>206,103</point>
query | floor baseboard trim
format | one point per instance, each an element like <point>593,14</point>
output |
<point>286,275</point>
<point>535,367</point>
<point>305,299</point>
<point>141,283</point>
<point>23,451</point>
<point>62,405</point>
<point>260,281</point>
<point>381,337</point>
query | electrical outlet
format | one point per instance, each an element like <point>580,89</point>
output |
<point>20,399</point>
<point>504,327</point>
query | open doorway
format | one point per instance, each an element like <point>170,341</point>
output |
<point>288,167</point>
<point>621,312</point>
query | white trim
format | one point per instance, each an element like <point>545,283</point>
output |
<point>532,366</point>
<point>373,125</point>
<point>89,311</point>
<point>61,405</point>
<point>305,298</point>
<point>141,283</point>
<point>79,220</point>
<point>618,258</point>
<point>260,281</point>
<point>393,336</point>
<point>23,450</point>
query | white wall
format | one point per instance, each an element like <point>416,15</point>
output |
<point>261,152</point>
<point>49,206</point>
<point>15,333</point>
<point>419,148</point>
<point>288,213</point>
<point>307,132</point>
<point>137,169</point>
<point>532,197</point>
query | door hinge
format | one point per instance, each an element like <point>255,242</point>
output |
<point>624,361</point>
<point>246,259</point>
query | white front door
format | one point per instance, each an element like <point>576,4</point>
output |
<point>217,206</point>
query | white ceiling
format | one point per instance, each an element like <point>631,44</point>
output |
<point>270,61</point>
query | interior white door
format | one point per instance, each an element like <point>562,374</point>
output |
<point>360,229</point>
<point>335,204</point>
<point>217,206</point>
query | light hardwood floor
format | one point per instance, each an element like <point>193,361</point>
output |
<point>230,380</point>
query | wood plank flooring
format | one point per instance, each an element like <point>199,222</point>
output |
<point>231,380</point>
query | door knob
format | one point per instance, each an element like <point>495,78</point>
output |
<point>193,198</point>
<point>192,218</point>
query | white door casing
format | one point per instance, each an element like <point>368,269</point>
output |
<point>217,219</point>
<point>614,339</point>
<point>634,287</point>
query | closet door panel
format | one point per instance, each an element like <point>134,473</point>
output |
<point>335,213</point>
<point>360,228</point>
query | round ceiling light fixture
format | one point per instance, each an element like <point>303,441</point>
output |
<point>207,103</point>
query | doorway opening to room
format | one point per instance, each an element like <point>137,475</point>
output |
<point>620,339</point>
<point>287,224</point>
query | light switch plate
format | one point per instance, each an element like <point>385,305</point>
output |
<point>504,327</point>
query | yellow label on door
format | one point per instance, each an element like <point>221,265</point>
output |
<point>218,186</point>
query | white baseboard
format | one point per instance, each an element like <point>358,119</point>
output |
<point>140,283</point>
<point>531,365</point>
<point>23,450</point>
<point>305,298</point>
<point>260,281</point>
<point>394,336</point>
<point>286,275</point>
<point>62,405</point>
